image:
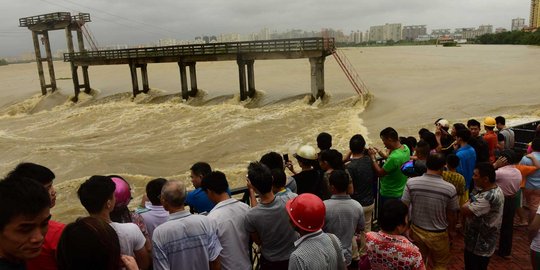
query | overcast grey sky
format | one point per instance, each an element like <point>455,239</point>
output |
<point>137,21</point>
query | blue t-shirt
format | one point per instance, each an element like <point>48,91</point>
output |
<point>467,162</point>
<point>199,201</point>
<point>533,180</point>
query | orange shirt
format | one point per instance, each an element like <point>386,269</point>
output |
<point>491,138</point>
<point>525,171</point>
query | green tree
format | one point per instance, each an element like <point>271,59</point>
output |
<point>3,62</point>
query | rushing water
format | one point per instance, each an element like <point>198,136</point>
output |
<point>159,135</point>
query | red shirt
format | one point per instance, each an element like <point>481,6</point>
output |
<point>491,138</point>
<point>390,252</point>
<point>47,259</point>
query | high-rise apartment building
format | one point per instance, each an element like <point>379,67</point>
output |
<point>411,32</point>
<point>518,24</point>
<point>535,14</point>
<point>389,31</point>
<point>440,32</point>
<point>485,29</point>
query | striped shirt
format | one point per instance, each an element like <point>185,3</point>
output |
<point>430,197</point>
<point>315,251</point>
<point>343,217</point>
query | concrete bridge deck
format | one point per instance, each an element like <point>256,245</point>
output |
<point>246,50</point>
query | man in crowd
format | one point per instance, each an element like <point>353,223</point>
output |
<point>483,215</point>
<point>274,161</point>
<point>434,207</point>
<point>388,248</point>
<point>186,241</point>
<point>314,249</point>
<point>267,222</point>
<point>197,200</point>
<point>308,180</point>
<point>392,179</point>
<point>228,216</point>
<point>278,185</point>
<point>363,177</point>
<point>97,196</point>
<point>24,219</point>
<point>456,179</point>
<point>344,216</point>
<point>490,137</point>
<point>477,141</point>
<point>466,155</point>
<point>508,178</point>
<point>506,136</point>
<point>156,214</point>
<point>44,176</point>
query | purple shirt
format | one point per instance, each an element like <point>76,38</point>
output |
<point>508,178</point>
<point>155,217</point>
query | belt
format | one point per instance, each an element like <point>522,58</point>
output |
<point>433,231</point>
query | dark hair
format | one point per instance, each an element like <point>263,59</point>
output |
<point>393,214</point>
<point>279,178</point>
<point>357,143</point>
<point>153,190</point>
<point>435,161</point>
<point>340,180</point>
<point>215,181</point>
<point>33,171</point>
<point>389,133</point>
<point>95,192</point>
<point>21,196</point>
<point>486,169</point>
<point>422,149</point>
<point>412,140</point>
<point>408,143</point>
<point>535,144</point>
<point>459,126</point>
<point>500,120</point>
<point>422,131</point>
<point>333,157</point>
<point>272,160</point>
<point>201,168</point>
<point>452,161</point>
<point>473,123</point>
<point>87,244</point>
<point>510,156</point>
<point>324,141</point>
<point>537,131</point>
<point>260,177</point>
<point>464,134</point>
<point>431,139</point>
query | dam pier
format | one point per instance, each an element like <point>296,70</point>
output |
<point>245,54</point>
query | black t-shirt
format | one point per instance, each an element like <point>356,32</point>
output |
<point>310,181</point>
<point>5,265</point>
<point>481,148</point>
<point>363,178</point>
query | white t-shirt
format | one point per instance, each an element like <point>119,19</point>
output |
<point>130,236</point>
<point>535,244</point>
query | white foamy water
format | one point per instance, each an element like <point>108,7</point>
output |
<point>159,135</point>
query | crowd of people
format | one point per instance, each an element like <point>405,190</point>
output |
<point>321,216</point>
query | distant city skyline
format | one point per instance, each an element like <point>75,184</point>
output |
<point>133,22</point>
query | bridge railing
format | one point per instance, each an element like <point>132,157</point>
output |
<point>277,45</point>
<point>57,16</point>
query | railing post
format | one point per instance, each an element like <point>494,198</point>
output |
<point>317,77</point>
<point>193,79</point>
<point>242,78</point>
<point>251,78</point>
<point>183,79</point>
<point>50,64</point>
<point>39,62</point>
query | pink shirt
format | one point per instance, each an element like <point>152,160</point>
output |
<point>508,178</point>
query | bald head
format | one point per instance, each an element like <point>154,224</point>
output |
<point>173,193</point>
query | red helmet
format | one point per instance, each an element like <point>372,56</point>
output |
<point>307,211</point>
